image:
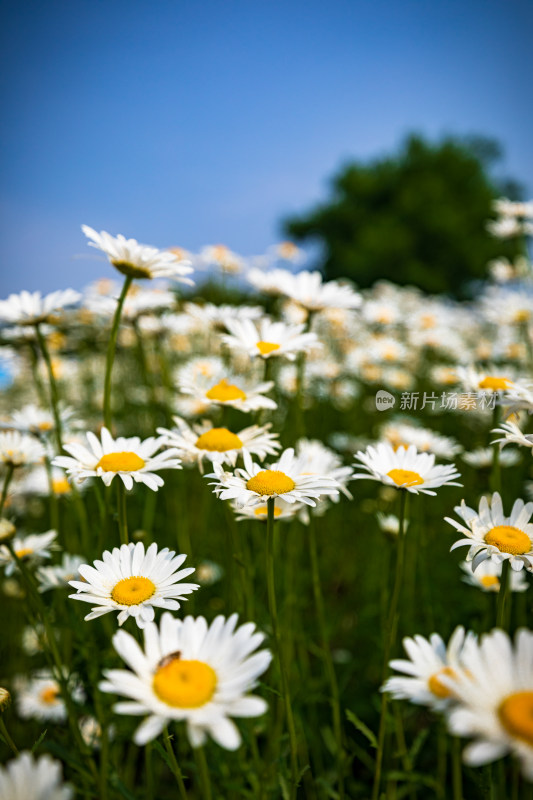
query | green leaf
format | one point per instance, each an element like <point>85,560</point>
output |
<point>362,728</point>
<point>39,741</point>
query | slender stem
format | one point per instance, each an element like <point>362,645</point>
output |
<point>330,669</point>
<point>5,487</point>
<point>34,358</point>
<point>390,640</point>
<point>149,771</point>
<point>54,394</point>
<point>457,769</point>
<point>122,512</point>
<point>175,767</point>
<point>278,647</point>
<point>52,645</point>
<point>503,594</point>
<point>111,351</point>
<point>4,732</point>
<point>495,476</point>
<point>203,771</point>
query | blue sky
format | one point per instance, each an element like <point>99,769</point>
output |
<point>188,123</point>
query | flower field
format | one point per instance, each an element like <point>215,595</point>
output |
<point>296,522</point>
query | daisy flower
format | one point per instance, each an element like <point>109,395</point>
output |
<point>424,439</point>
<point>483,457</point>
<point>34,547</point>
<point>282,511</point>
<point>487,577</point>
<point>192,672</point>
<point>138,260</point>
<point>59,575</point>
<point>483,381</point>
<point>492,535</point>
<point>254,485</point>
<point>222,257</point>
<point>306,288</point>
<point>268,339</point>
<point>494,694</point>
<point>390,523</point>
<point>131,459</point>
<point>404,468</point>
<point>220,388</point>
<point>429,661</point>
<point>314,458</point>
<point>18,449</point>
<point>35,420</point>
<point>27,778</point>
<point>40,697</point>
<point>218,445</point>
<point>32,309</point>
<point>133,582</point>
<point>512,435</point>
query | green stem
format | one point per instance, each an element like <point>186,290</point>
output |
<point>122,512</point>
<point>495,477</point>
<point>111,351</point>
<point>203,772</point>
<point>503,594</point>
<point>278,646</point>
<point>52,645</point>
<point>5,487</point>
<point>457,770</point>
<point>34,358</point>
<point>390,640</point>
<point>330,669</point>
<point>9,741</point>
<point>175,767</point>
<point>54,394</point>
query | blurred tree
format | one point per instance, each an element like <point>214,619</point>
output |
<point>417,217</point>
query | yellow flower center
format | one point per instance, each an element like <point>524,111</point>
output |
<point>428,321</point>
<point>133,591</point>
<point>49,695</point>
<point>435,684</point>
<point>509,539</point>
<point>23,552</point>
<point>488,581</point>
<point>44,426</point>
<point>60,486</point>
<point>516,716</point>
<point>225,392</point>
<point>120,462</point>
<point>185,684</point>
<point>270,482</point>
<point>287,249</point>
<point>218,440</point>
<point>522,315</point>
<point>494,384</point>
<point>265,348</point>
<point>405,477</point>
<point>262,511</point>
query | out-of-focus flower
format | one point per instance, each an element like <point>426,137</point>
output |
<point>487,577</point>
<point>19,449</point>
<point>268,339</point>
<point>27,778</point>
<point>32,548</point>
<point>31,308</point>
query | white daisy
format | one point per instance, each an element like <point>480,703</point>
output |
<point>254,485</point>
<point>35,420</point>
<point>58,576</point>
<point>131,459</point>
<point>314,458</point>
<point>138,260</point>
<point>218,445</point>
<point>219,255</point>
<point>31,309</point>
<point>213,316</point>
<point>494,692</point>
<point>223,389</point>
<point>492,535</point>
<point>282,511</point>
<point>306,288</point>
<point>39,697</point>
<point>429,661</point>
<point>268,339</point>
<point>424,439</point>
<point>27,778</point>
<point>192,672</point>
<point>404,468</point>
<point>490,380</point>
<point>484,457</point>
<point>34,547</point>
<point>133,582</point>
<point>390,523</point>
<point>512,435</point>
<point>487,577</point>
<point>18,449</point>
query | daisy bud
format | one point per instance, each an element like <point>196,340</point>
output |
<point>7,530</point>
<point>5,699</point>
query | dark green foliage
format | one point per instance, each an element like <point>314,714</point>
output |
<point>416,217</point>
